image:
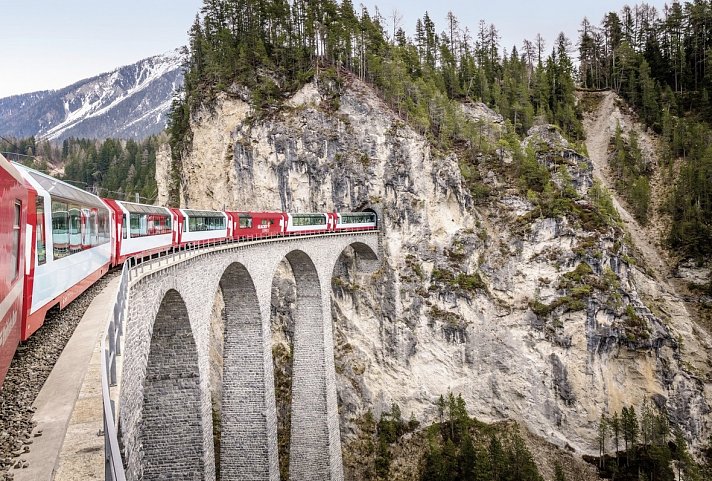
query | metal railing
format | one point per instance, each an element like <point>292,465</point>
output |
<point>111,340</point>
<point>110,349</point>
<point>140,265</point>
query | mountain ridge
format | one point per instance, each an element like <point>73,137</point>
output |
<point>131,101</point>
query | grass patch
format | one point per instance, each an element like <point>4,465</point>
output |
<point>461,281</point>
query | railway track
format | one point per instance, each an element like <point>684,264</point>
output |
<point>29,369</point>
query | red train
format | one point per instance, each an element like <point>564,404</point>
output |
<point>57,240</point>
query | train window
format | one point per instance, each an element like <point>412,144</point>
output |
<point>149,224</point>
<point>264,222</point>
<point>135,225</point>
<point>76,227</point>
<point>245,222</point>
<point>94,222</point>
<point>124,231</point>
<point>103,221</point>
<point>218,223</point>
<point>161,224</point>
<point>308,219</point>
<point>60,229</point>
<point>15,261</point>
<point>86,228</point>
<point>41,245</point>
<point>196,224</point>
<point>358,218</point>
<point>104,227</point>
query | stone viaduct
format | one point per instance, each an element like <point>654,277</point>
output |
<point>166,415</point>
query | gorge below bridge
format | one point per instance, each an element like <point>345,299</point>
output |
<point>166,394</point>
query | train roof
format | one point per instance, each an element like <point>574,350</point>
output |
<point>143,208</point>
<point>251,212</point>
<point>202,213</point>
<point>61,189</point>
<point>7,166</point>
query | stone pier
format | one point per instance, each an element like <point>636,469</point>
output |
<point>165,408</point>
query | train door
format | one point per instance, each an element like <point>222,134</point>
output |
<point>177,228</point>
<point>174,228</point>
<point>330,221</point>
<point>116,225</point>
<point>13,221</point>
<point>230,224</point>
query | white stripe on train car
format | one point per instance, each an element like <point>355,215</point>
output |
<point>56,277</point>
<point>356,225</point>
<point>133,245</point>
<point>28,249</point>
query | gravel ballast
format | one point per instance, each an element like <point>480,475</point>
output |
<point>29,369</point>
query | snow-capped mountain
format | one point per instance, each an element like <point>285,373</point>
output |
<point>131,102</point>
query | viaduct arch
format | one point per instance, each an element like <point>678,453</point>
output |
<point>165,415</point>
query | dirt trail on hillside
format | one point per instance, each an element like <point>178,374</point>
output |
<point>661,291</point>
<point>600,127</point>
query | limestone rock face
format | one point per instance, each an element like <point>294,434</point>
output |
<point>487,301</point>
<point>163,174</point>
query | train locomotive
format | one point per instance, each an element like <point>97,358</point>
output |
<point>56,240</point>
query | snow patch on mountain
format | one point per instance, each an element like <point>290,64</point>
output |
<point>130,102</point>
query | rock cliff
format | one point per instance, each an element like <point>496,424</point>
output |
<point>548,319</point>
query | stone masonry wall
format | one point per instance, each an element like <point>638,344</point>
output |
<point>172,437</point>
<point>245,274</point>
<point>310,448</point>
<point>243,421</point>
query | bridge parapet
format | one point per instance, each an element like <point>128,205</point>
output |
<point>151,382</point>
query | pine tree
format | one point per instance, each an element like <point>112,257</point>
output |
<point>467,460</point>
<point>521,464</point>
<point>615,425</point>
<point>496,458</point>
<point>630,429</point>
<point>602,437</point>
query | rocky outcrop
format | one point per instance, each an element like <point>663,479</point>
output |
<point>548,321</point>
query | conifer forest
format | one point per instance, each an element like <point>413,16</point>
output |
<point>656,60</point>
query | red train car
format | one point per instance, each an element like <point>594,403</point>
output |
<point>13,267</point>
<point>197,227</point>
<point>141,229</point>
<point>352,221</point>
<point>309,223</point>
<point>250,225</point>
<point>68,237</point>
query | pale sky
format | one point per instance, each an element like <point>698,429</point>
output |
<point>49,44</point>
